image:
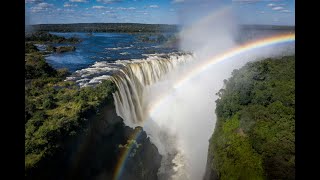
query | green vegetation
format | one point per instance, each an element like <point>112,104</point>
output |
<point>55,109</point>
<point>45,37</point>
<point>254,137</point>
<point>30,48</point>
<point>46,40</point>
<point>132,27</point>
<point>36,67</point>
<point>62,49</point>
<point>73,133</point>
<point>267,27</point>
<point>106,27</point>
<point>153,38</point>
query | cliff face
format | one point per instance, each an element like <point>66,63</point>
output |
<point>95,153</point>
<point>210,173</point>
<point>142,162</point>
<point>73,132</point>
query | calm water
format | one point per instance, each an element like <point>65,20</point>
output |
<point>122,46</point>
<point>103,47</point>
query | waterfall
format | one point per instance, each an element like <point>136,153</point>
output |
<point>131,101</point>
<point>133,80</point>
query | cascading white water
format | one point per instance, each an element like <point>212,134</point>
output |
<point>132,101</point>
<point>132,82</point>
<point>182,128</point>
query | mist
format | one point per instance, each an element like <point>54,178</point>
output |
<point>184,122</point>
<point>188,113</point>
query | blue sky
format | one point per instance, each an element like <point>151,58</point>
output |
<point>278,12</point>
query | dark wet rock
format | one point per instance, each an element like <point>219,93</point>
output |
<point>95,153</point>
<point>62,49</point>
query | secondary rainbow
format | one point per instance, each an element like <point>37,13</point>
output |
<point>205,65</point>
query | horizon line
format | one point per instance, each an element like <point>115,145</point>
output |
<point>293,25</point>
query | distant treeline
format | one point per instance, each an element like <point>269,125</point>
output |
<point>132,27</point>
<point>266,27</point>
<point>106,27</point>
<point>45,37</point>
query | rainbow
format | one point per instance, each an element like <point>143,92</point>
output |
<point>235,52</point>
<point>203,66</point>
<point>125,153</point>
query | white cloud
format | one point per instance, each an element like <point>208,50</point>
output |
<point>69,10</point>
<point>253,1</point>
<point>121,8</point>
<point>44,5</point>
<point>286,11</point>
<point>178,1</point>
<point>33,1</point>
<point>69,5</point>
<point>109,1</point>
<point>78,0</point>
<point>87,15</point>
<point>154,6</point>
<point>245,1</point>
<point>98,7</point>
<point>271,5</point>
<point>40,7</point>
<point>256,0</point>
<point>277,8</point>
<point>274,5</point>
<point>142,12</point>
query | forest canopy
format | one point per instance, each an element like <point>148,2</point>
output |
<point>254,136</point>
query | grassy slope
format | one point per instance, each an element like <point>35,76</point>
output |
<point>254,137</point>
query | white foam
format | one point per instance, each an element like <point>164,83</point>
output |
<point>124,53</point>
<point>103,70</point>
<point>119,48</point>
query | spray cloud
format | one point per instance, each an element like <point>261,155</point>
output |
<point>182,126</point>
<point>189,115</point>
